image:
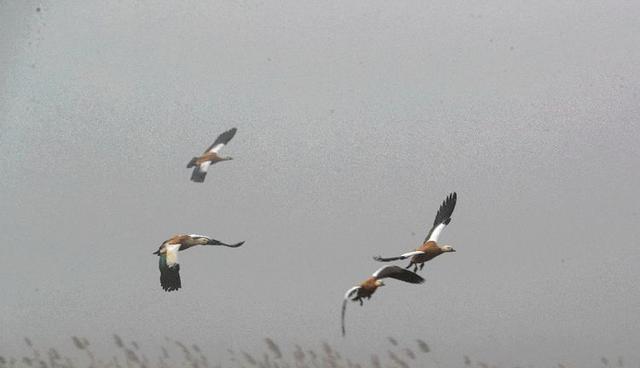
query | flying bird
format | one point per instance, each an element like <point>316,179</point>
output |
<point>369,286</point>
<point>210,156</point>
<point>430,248</point>
<point>168,253</point>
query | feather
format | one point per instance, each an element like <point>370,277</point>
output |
<point>398,273</point>
<point>443,217</point>
<point>222,140</point>
<point>347,296</point>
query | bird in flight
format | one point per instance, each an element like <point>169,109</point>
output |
<point>210,156</point>
<point>430,248</point>
<point>369,286</point>
<point>168,253</point>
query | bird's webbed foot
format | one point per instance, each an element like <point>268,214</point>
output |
<point>361,302</point>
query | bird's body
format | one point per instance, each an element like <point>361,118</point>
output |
<point>210,156</point>
<point>369,286</point>
<point>168,253</point>
<point>430,248</point>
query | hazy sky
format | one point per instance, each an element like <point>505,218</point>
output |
<point>355,119</point>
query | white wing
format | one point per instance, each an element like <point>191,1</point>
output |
<point>402,256</point>
<point>435,233</point>
<point>205,166</point>
<point>217,148</point>
<point>169,268</point>
<point>198,236</point>
<point>200,172</point>
<point>443,217</point>
<point>222,139</point>
<point>172,254</point>
<point>411,254</point>
<point>349,294</point>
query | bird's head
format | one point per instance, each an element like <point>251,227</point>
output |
<point>379,283</point>
<point>448,248</point>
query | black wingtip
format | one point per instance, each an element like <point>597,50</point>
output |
<point>170,278</point>
<point>224,138</point>
<point>237,245</point>
<point>413,278</point>
<point>197,176</point>
<point>390,259</point>
<point>218,242</point>
<point>399,273</point>
<point>171,288</point>
<point>446,209</point>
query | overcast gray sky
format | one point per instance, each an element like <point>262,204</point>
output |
<point>355,119</point>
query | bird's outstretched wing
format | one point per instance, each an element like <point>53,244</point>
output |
<point>443,217</point>
<point>348,295</point>
<point>170,270</point>
<point>200,172</point>
<point>222,139</point>
<point>218,242</point>
<point>402,256</point>
<point>398,273</point>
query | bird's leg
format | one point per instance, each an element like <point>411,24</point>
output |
<point>361,302</point>
<point>409,265</point>
<point>415,267</point>
<point>421,266</point>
